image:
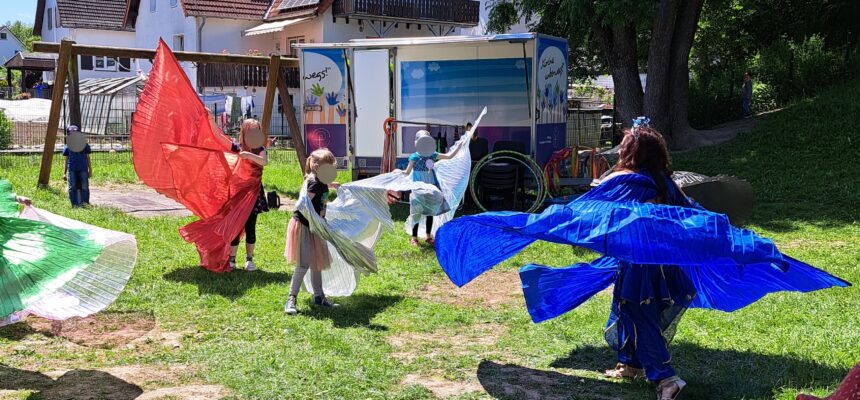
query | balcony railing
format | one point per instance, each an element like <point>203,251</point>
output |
<point>217,75</point>
<point>458,12</point>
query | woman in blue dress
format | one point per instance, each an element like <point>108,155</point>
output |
<point>663,252</point>
<point>648,300</point>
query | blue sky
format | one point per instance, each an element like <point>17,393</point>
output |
<point>18,10</point>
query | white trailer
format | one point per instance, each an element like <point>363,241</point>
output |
<point>440,84</point>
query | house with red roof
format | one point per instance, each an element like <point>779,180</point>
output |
<point>95,22</point>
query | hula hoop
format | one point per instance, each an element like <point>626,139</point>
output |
<point>513,156</point>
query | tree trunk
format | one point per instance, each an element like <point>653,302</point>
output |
<point>619,46</point>
<point>681,134</point>
<point>659,65</point>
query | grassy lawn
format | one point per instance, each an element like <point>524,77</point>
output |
<point>408,334</point>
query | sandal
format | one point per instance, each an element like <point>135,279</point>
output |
<point>623,371</point>
<point>666,384</point>
<point>429,240</point>
<point>413,241</point>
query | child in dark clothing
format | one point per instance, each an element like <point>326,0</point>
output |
<point>77,171</point>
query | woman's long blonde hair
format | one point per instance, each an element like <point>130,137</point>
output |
<point>247,125</point>
<point>318,157</point>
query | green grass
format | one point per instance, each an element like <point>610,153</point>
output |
<point>801,162</point>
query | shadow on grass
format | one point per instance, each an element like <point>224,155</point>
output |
<point>721,374</point>
<point>509,381</point>
<point>357,310</point>
<point>229,285</point>
<point>19,331</point>
<point>77,384</point>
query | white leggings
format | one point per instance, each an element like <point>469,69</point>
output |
<point>299,276</point>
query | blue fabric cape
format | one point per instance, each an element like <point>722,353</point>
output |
<point>730,267</point>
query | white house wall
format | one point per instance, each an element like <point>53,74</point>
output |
<point>226,34</point>
<point>56,34</point>
<point>103,38</point>
<point>164,23</point>
<point>481,29</point>
<point>10,46</point>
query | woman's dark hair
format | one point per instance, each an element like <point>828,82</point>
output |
<point>644,150</point>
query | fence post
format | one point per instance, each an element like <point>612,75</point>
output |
<point>54,116</point>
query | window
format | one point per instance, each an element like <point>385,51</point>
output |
<point>152,6</point>
<point>86,63</point>
<point>124,64</point>
<point>294,40</point>
<point>178,43</point>
<point>50,18</point>
<point>2,35</point>
<point>105,64</point>
<point>174,3</point>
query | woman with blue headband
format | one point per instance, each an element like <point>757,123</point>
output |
<point>661,250</point>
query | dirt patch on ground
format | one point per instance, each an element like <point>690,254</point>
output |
<point>473,339</point>
<point>103,330</point>
<point>142,202</point>
<point>136,200</point>
<point>192,392</point>
<point>493,289</point>
<point>441,387</point>
<point>119,383</point>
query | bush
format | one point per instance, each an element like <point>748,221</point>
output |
<point>764,98</point>
<point>782,73</point>
<point>5,131</point>
<point>796,70</point>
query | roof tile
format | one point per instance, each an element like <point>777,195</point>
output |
<point>93,14</point>
<point>230,9</point>
<point>281,9</point>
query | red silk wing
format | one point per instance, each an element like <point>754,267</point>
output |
<point>169,111</point>
<point>212,236</point>
<point>176,152</point>
<point>192,165</point>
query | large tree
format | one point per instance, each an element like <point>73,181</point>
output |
<point>624,37</point>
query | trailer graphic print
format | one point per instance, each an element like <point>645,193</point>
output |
<point>325,100</point>
<point>454,91</point>
<point>551,96</point>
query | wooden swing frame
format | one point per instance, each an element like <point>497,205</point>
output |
<point>68,71</point>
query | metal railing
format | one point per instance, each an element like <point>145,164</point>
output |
<point>588,128</point>
<point>465,12</point>
<point>221,75</point>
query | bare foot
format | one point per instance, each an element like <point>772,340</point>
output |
<point>623,371</point>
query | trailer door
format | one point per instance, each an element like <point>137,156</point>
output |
<point>372,102</point>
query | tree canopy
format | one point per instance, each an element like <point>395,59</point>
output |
<point>624,37</point>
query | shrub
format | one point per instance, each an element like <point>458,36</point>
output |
<point>5,131</point>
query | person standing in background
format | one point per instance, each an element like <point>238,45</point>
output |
<point>746,95</point>
<point>77,171</point>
